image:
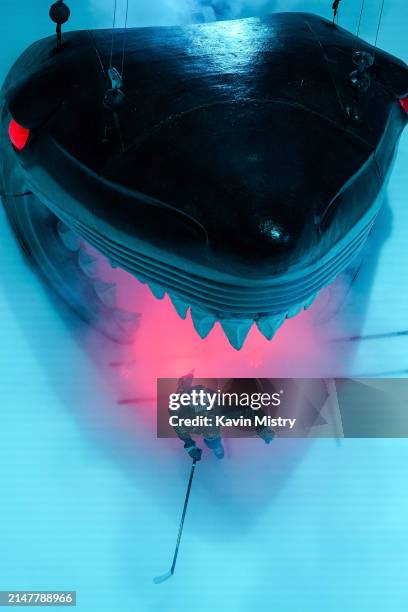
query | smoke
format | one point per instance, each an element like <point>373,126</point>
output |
<point>180,12</point>
<point>151,13</point>
<point>172,12</point>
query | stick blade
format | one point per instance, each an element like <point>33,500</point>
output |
<point>163,577</point>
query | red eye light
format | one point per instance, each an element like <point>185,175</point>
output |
<point>18,135</point>
<point>404,104</point>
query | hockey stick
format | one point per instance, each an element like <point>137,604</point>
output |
<point>163,577</point>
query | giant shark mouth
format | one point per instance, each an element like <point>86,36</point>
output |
<point>72,259</point>
<point>240,175</point>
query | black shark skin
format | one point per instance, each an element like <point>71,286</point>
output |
<point>241,173</point>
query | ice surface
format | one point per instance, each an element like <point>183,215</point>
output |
<point>90,500</point>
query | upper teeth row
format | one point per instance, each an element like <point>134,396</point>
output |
<point>236,328</point>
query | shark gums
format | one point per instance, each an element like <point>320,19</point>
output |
<point>239,167</point>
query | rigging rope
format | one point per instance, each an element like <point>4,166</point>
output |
<point>113,33</point>
<point>335,9</point>
<point>379,25</point>
<point>124,37</point>
<point>361,17</point>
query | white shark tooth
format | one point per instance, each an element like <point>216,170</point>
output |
<point>310,301</point>
<point>106,292</point>
<point>203,321</point>
<point>68,237</point>
<point>292,312</point>
<point>157,291</point>
<point>269,325</point>
<point>180,306</point>
<point>128,321</point>
<point>236,330</point>
<point>88,263</point>
<point>113,263</point>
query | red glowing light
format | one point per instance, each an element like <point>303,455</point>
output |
<point>404,104</point>
<point>18,134</point>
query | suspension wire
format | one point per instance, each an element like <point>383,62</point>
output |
<point>335,9</point>
<point>113,33</point>
<point>125,37</point>
<point>361,17</point>
<point>379,26</point>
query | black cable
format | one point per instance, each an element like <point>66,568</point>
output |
<point>124,38</point>
<point>113,33</point>
<point>379,25</point>
<point>335,8</point>
<point>361,17</point>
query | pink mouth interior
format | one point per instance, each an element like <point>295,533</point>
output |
<point>167,346</point>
